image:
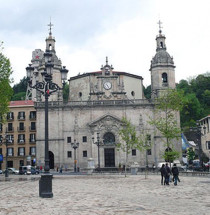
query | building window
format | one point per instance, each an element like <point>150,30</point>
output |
<point>133,93</point>
<point>33,126</point>
<point>1,139</point>
<point>21,163</point>
<point>32,138</point>
<point>164,78</point>
<point>1,127</point>
<point>208,145</point>
<point>68,139</point>
<point>0,151</point>
<point>84,139</point>
<point>32,115</point>
<point>21,138</point>
<point>21,127</point>
<point>10,116</point>
<point>149,152</point>
<point>84,154</point>
<point>69,155</point>
<point>33,151</point>
<point>10,164</point>
<point>10,127</point>
<point>21,115</point>
<point>10,138</point>
<point>21,151</point>
<point>133,152</point>
<point>10,151</point>
<point>80,94</point>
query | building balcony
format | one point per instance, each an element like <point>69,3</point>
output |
<point>21,129</point>
<point>32,128</point>
<point>10,119</point>
<point>9,130</point>
<point>10,141</point>
<point>32,117</point>
<point>32,141</point>
<point>21,118</point>
<point>21,141</point>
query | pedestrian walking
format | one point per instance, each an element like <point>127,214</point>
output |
<point>61,169</point>
<point>167,174</point>
<point>175,173</point>
<point>163,173</point>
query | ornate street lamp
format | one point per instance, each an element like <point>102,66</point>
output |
<point>75,145</point>
<point>46,88</point>
<point>98,143</point>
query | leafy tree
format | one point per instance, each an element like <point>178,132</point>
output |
<point>144,144</point>
<point>132,141</point>
<point>128,135</point>
<point>147,92</point>
<point>166,107</point>
<point>6,90</point>
<point>190,154</point>
<point>191,111</point>
<point>19,96</point>
<point>66,92</point>
<point>21,86</point>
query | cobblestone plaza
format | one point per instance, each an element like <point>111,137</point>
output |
<point>105,194</point>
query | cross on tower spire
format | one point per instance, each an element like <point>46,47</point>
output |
<point>159,23</point>
<point>50,25</point>
<point>106,60</point>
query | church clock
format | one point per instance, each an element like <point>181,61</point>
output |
<point>107,85</point>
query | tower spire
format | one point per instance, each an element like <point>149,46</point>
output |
<point>107,60</point>
<point>159,23</point>
<point>50,30</point>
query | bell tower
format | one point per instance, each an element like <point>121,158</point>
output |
<point>162,67</point>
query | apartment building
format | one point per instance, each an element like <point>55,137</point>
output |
<point>18,135</point>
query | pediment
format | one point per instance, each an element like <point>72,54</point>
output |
<point>106,120</point>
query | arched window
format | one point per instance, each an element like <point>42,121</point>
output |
<point>132,93</point>
<point>164,78</point>
<point>161,44</point>
<point>109,139</point>
<point>80,94</point>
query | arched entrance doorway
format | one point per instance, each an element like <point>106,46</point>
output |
<point>109,149</point>
<point>51,158</point>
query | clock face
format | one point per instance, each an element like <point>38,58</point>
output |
<point>107,85</point>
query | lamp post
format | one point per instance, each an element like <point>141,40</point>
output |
<point>75,145</point>
<point>98,145</point>
<point>198,132</point>
<point>6,164</point>
<point>46,88</point>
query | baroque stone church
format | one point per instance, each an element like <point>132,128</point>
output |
<point>93,114</point>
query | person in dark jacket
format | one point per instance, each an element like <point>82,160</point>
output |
<point>163,173</point>
<point>175,172</point>
<point>167,174</point>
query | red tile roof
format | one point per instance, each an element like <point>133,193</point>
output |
<point>21,103</point>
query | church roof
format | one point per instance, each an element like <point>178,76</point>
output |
<point>100,72</point>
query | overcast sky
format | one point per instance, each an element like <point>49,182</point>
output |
<point>86,31</point>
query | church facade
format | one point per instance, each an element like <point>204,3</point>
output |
<point>93,114</point>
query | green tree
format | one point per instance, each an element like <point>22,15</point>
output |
<point>190,154</point>
<point>21,86</point>
<point>191,111</point>
<point>143,144</point>
<point>166,108</point>
<point>6,91</point>
<point>129,139</point>
<point>147,92</point>
<point>66,92</point>
<point>19,96</point>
